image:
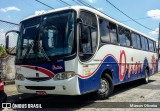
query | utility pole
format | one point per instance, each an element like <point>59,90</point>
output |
<point>159,42</point>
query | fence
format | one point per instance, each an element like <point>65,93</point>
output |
<point>7,68</point>
<point>4,27</point>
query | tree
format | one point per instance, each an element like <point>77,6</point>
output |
<point>2,51</point>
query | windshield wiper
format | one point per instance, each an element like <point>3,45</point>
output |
<point>42,50</point>
<point>28,50</point>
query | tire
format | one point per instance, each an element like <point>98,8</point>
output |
<point>146,78</point>
<point>5,100</point>
<point>106,88</point>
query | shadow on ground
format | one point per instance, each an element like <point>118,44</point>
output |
<point>54,101</point>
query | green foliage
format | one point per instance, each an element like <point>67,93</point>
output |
<point>2,51</point>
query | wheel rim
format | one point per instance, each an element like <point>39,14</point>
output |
<point>147,77</point>
<point>104,87</point>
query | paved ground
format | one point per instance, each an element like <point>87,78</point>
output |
<point>130,92</point>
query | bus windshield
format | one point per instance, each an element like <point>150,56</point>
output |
<point>47,37</point>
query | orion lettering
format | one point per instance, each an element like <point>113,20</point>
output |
<point>124,67</point>
<point>56,67</point>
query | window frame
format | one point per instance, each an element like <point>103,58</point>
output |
<point>97,37</point>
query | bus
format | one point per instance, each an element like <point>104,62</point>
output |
<point>78,50</point>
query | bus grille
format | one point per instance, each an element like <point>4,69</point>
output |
<point>40,87</point>
<point>39,79</point>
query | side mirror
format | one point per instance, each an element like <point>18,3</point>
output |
<point>11,44</point>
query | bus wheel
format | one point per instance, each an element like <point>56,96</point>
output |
<point>146,79</point>
<point>106,87</point>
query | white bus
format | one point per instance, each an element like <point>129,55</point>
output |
<point>77,50</point>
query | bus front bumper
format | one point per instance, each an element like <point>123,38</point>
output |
<point>59,87</point>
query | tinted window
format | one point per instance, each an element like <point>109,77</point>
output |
<point>46,37</point>
<point>139,41</point>
<point>88,19</point>
<point>146,44</point>
<point>151,45</point>
<point>124,36</point>
<point>143,43</point>
<point>108,31</point>
<point>134,40</point>
<point>104,31</point>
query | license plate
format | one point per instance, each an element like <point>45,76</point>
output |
<point>41,93</point>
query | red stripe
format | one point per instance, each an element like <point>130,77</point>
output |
<point>98,66</point>
<point>50,74</point>
<point>45,71</point>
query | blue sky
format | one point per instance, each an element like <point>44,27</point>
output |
<point>16,10</point>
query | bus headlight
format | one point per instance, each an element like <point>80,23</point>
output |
<point>64,75</point>
<point>19,77</point>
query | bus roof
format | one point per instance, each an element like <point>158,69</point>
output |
<point>77,8</point>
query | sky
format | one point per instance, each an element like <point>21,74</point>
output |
<point>16,10</point>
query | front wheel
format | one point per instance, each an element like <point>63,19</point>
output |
<point>106,87</point>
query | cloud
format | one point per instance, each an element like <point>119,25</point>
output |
<point>155,32</point>
<point>155,14</point>
<point>39,12</point>
<point>12,8</point>
<point>91,1</point>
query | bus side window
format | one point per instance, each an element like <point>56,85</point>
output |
<point>143,43</point>
<point>104,31</point>
<point>146,44</point>
<point>128,37</point>
<point>108,31</point>
<point>113,33</point>
<point>151,47</point>
<point>124,36</point>
<point>136,41</point>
